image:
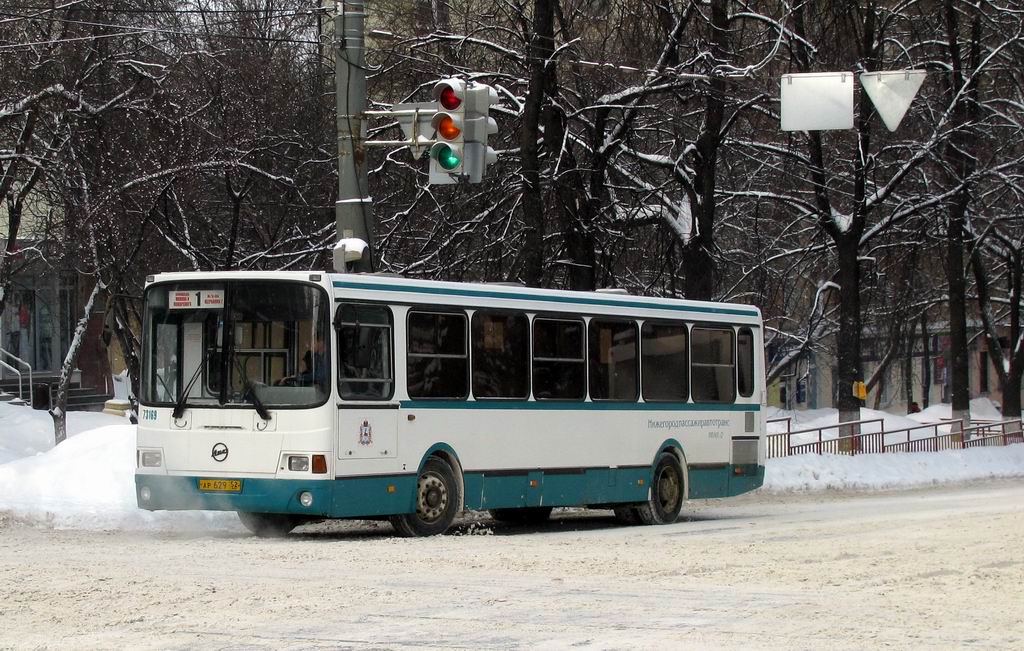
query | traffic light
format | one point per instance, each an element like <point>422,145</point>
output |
<point>478,126</point>
<point>447,154</point>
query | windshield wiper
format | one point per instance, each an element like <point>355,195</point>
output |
<point>250,390</point>
<point>179,406</point>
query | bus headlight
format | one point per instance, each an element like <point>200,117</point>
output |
<point>145,494</point>
<point>151,459</point>
<point>306,499</point>
<point>298,464</point>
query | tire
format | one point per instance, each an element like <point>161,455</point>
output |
<point>528,515</point>
<point>269,525</point>
<point>667,492</point>
<point>438,501</point>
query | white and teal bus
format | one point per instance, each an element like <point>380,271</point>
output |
<point>292,397</point>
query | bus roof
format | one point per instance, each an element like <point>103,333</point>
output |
<point>504,295</point>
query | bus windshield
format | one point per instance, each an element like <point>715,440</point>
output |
<point>268,338</point>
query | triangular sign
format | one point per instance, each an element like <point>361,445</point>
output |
<point>892,92</point>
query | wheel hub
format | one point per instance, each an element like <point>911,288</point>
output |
<point>431,498</point>
<point>668,489</point>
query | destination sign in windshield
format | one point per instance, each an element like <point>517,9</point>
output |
<point>205,299</point>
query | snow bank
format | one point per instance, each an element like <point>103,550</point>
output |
<point>981,409</point>
<point>884,471</point>
<point>25,432</point>
<point>89,482</point>
<point>86,482</point>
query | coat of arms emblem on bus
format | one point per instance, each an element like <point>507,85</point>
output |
<point>365,433</point>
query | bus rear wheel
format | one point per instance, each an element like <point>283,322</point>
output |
<point>438,501</point>
<point>667,492</point>
<point>269,525</point>
<point>528,515</point>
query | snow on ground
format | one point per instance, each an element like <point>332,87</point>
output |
<point>884,471</point>
<point>88,481</point>
<point>981,409</point>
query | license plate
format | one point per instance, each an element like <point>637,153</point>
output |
<point>220,485</point>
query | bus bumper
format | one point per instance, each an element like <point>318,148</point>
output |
<point>332,498</point>
<point>172,493</point>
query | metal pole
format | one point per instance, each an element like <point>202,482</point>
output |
<point>354,209</point>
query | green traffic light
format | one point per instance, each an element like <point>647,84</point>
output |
<point>447,158</point>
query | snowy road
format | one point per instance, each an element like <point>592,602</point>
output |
<point>939,568</point>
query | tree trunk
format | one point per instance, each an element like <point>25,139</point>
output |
<point>698,262</point>
<point>1009,362</point>
<point>848,341</point>
<point>880,389</point>
<point>960,153</point>
<point>59,410</point>
<point>14,196</point>
<point>10,249</point>
<point>958,369</point>
<point>236,215</point>
<point>1011,395</point>
<point>926,359</point>
<point>908,366</point>
<point>541,48</point>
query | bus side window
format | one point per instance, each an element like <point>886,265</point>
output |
<point>712,370</point>
<point>745,362</point>
<point>501,355</point>
<point>438,363</point>
<point>665,368</point>
<point>559,364</point>
<point>364,352</point>
<point>613,360</point>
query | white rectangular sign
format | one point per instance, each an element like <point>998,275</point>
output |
<point>817,101</point>
<point>196,299</point>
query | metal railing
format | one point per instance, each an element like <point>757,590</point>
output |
<point>949,440</point>
<point>778,444</point>
<point>783,445</point>
<point>955,437</point>
<point>17,360</point>
<point>1009,432</point>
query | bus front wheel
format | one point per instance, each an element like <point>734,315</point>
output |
<point>666,498</point>
<point>437,502</point>
<point>268,525</point>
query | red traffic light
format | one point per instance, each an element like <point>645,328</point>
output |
<point>449,99</point>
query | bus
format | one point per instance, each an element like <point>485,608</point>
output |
<point>293,397</point>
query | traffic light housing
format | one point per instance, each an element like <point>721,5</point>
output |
<point>447,155</point>
<point>461,124</point>
<point>478,126</point>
